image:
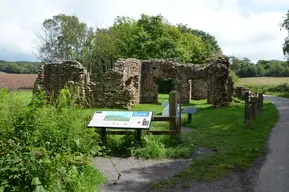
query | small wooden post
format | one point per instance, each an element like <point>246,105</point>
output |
<point>248,115</point>
<point>189,117</point>
<point>258,103</point>
<point>246,94</point>
<point>261,100</point>
<point>253,107</point>
<point>175,110</point>
<point>178,117</point>
<point>103,136</point>
<point>138,137</point>
<point>172,109</point>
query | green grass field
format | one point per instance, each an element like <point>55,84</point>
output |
<point>262,81</point>
<point>278,86</point>
<point>222,130</point>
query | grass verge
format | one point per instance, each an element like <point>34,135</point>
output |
<point>233,146</point>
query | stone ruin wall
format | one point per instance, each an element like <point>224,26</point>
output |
<point>119,87</point>
<point>133,81</point>
<point>53,77</point>
<point>199,89</point>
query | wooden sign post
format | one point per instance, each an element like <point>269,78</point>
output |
<point>254,107</point>
<point>175,111</point>
<point>260,102</point>
<point>137,120</point>
<point>248,114</point>
<point>246,95</point>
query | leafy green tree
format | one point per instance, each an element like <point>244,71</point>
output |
<point>104,52</point>
<point>245,62</point>
<point>148,37</point>
<point>248,71</point>
<point>276,70</point>
<point>247,68</point>
<point>64,38</point>
<point>264,63</point>
<point>235,64</point>
<point>212,48</point>
<point>153,37</point>
<point>260,70</point>
<point>285,25</point>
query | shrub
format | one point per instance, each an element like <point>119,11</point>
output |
<point>45,147</point>
<point>165,147</point>
<point>234,76</point>
<point>284,87</point>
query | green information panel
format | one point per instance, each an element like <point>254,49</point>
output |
<point>121,119</point>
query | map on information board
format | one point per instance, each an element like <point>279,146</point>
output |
<point>121,119</point>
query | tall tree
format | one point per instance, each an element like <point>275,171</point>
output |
<point>153,37</point>
<point>285,25</point>
<point>212,48</point>
<point>63,37</point>
<point>235,64</point>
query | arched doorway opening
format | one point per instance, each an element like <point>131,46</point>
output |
<point>164,87</point>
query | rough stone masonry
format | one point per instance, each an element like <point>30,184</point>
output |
<point>133,81</point>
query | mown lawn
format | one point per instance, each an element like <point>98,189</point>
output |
<point>233,145</point>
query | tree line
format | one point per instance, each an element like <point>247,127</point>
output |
<point>19,67</point>
<point>263,68</point>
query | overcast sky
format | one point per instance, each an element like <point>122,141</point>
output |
<point>243,28</point>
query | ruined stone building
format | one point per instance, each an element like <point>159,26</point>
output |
<point>133,81</point>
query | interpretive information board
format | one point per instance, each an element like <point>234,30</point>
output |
<point>121,119</point>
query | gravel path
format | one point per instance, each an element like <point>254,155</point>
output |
<point>270,172</point>
<point>136,174</point>
<point>274,174</point>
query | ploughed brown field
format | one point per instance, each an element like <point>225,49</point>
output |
<point>17,81</point>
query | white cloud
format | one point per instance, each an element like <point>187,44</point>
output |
<point>271,3</point>
<point>252,33</point>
